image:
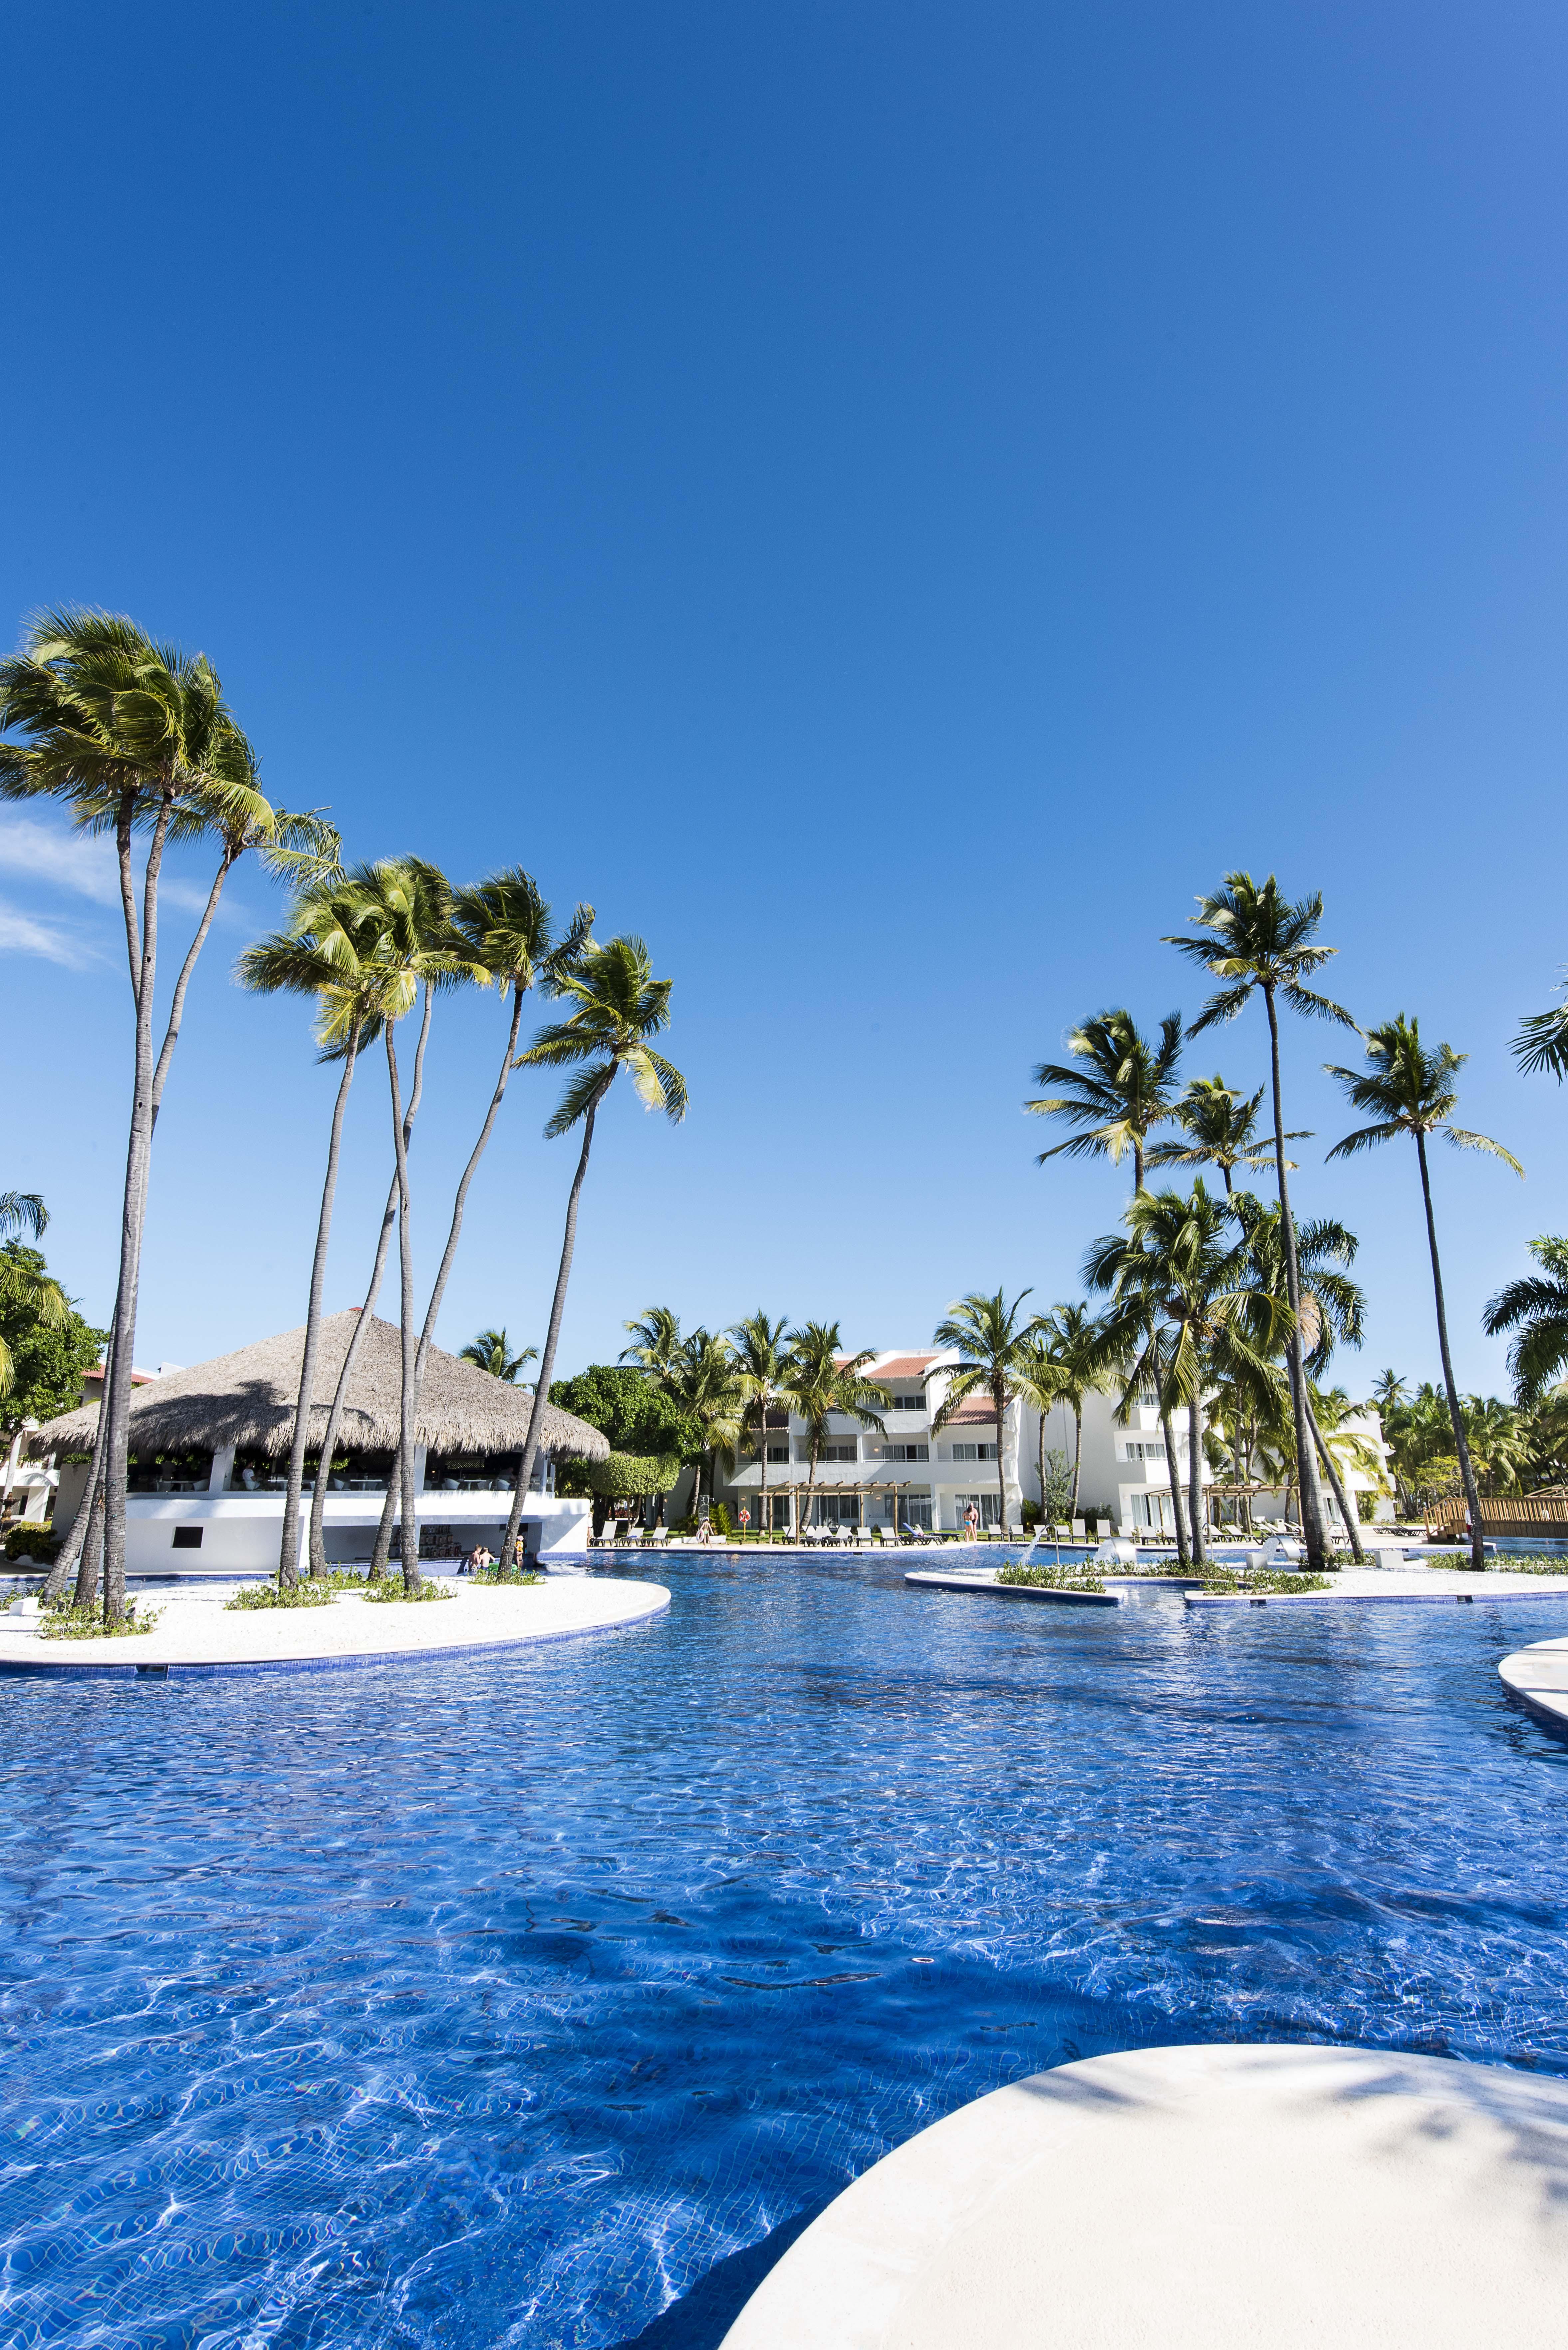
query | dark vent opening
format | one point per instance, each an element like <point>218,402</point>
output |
<point>188,1537</point>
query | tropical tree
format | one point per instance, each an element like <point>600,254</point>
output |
<point>762,1349</point>
<point>993,1350</point>
<point>824,1383</point>
<point>1039,1381</point>
<point>1180,1274</point>
<point>1072,1337</point>
<point>1332,1311</point>
<point>705,1384</point>
<point>1260,944</point>
<point>1535,1308</point>
<point>1222,1132</point>
<point>1389,1389</point>
<point>492,1352</point>
<point>1541,1044</point>
<point>617,1006</point>
<point>1410,1090</point>
<point>135,737</point>
<point>25,1289</point>
<point>1122,1086</point>
<point>1498,1436</point>
<point>655,1342</point>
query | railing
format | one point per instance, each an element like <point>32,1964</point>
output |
<point>1501,1514</point>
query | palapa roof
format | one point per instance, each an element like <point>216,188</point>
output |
<point>247,1399</point>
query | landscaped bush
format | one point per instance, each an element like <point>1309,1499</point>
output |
<point>1049,1578</point>
<point>32,1542</point>
<point>1534,1564</point>
<point>388,1589</point>
<point>1366,1506</point>
<point>275,1595</point>
<point>64,1621</point>
<point>505,1575</point>
<point>1263,1579</point>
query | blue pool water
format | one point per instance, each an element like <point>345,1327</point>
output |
<point>540,2000</point>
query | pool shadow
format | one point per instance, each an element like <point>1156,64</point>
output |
<point>700,2318</point>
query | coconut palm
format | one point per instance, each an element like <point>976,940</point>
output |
<point>704,1381</point>
<point>1222,1132</point>
<point>993,1347</point>
<point>1180,1273</point>
<point>824,1384</point>
<point>762,1349</point>
<point>1123,1087</point>
<point>1260,944</point>
<point>617,1006</point>
<point>1535,1307</point>
<point>1040,1381</point>
<point>1072,1336</point>
<point>1333,1310</point>
<point>1387,1391</point>
<point>1541,1044</point>
<point>492,1351</point>
<point>327,951</point>
<point>133,737</point>
<point>1410,1090</point>
<point>656,1343</point>
<point>21,1285</point>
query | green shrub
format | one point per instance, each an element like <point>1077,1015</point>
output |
<point>1263,1579</point>
<point>64,1621</point>
<point>1366,1506</point>
<point>719,1519</point>
<point>1049,1578</point>
<point>388,1590</point>
<point>273,1594</point>
<point>32,1542</point>
<point>505,1575</point>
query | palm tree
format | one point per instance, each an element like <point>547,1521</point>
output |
<point>1221,1130</point>
<point>1041,1383</point>
<point>1410,1090</point>
<point>327,951</point>
<point>823,1385</point>
<point>1072,1336</point>
<point>1535,1307</point>
<point>1332,1311</point>
<point>763,1366</point>
<point>1541,1044</point>
<point>1258,942</point>
<point>20,1285</point>
<point>492,1351</point>
<point>618,1006</point>
<point>993,1347</point>
<point>1179,1277</point>
<point>132,736</point>
<point>1387,1391</point>
<point>656,1343</point>
<point>1126,1086</point>
<point>705,1383</point>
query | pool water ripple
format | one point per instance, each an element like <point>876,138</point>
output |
<point>538,1999</point>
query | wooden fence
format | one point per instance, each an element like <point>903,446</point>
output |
<point>1501,1514</point>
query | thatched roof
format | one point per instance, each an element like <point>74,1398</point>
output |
<point>247,1399</point>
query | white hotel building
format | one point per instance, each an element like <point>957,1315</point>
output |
<point>912,1476</point>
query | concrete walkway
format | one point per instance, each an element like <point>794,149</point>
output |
<point>1201,2198</point>
<point>1404,1587</point>
<point>196,1634</point>
<point>1539,1677</point>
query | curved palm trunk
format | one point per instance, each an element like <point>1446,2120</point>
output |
<point>1040,1466</point>
<point>810,1491</point>
<point>1173,1472</point>
<point>552,1337</point>
<point>1462,1442</point>
<point>1306,1465</point>
<point>383,1543</point>
<point>177,1004</point>
<point>133,1215</point>
<point>999,1404</point>
<point>1195,1469</point>
<point>1078,1455</point>
<point>69,1555</point>
<point>1331,1469</point>
<point>410,1530</point>
<point>762,1463</point>
<point>288,1540</point>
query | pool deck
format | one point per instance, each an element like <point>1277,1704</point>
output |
<point>1353,1587</point>
<point>195,1634</point>
<point>984,1579</point>
<point>1538,1677</point>
<point>1207,2197</point>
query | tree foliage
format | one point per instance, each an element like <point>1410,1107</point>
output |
<point>49,1357</point>
<point>637,1416</point>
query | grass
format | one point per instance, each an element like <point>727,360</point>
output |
<point>387,1591</point>
<point>1265,1579</point>
<point>505,1575</point>
<point>1533,1563</point>
<point>1049,1578</point>
<point>66,1621</point>
<point>272,1595</point>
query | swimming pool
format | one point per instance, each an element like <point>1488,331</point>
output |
<point>540,2000</point>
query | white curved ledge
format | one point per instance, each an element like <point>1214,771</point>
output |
<point>1538,1677</point>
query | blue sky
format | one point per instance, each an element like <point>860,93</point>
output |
<point>886,504</point>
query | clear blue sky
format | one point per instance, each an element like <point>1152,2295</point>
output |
<point>886,503</point>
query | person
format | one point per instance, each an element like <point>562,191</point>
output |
<point>482,1557</point>
<point>972,1519</point>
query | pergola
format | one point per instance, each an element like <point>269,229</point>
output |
<point>849,1488</point>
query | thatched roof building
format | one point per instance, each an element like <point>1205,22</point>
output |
<point>247,1400</point>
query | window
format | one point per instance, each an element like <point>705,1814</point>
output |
<point>839,1452</point>
<point>188,1537</point>
<point>914,1510</point>
<point>906,1451</point>
<point>985,1505</point>
<point>775,1418</point>
<point>1146,1452</point>
<point>914,1400</point>
<point>974,1452</point>
<point>778,1452</point>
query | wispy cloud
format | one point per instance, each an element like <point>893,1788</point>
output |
<point>83,863</point>
<point>25,934</point>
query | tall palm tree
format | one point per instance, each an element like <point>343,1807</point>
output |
<point>1222,1132</point>
<point>656,1343</point>
<point>1040,1381</point>
<point>1410,1090</point>
<point>993,1348</point>
<point>1180,1275</point>
<point>133,737</point>
<point>824,1384</point>
<point>617,1006</point>
<point>1260,944</point>
<point>761,1347</point>
<point>407,903</point>
<point>705,1382</point>
<point>1389,1389</point>
<point>327,951</point>
<point>492,1352</point>
<point>1535,1307</point>
<point>1071,1334</point>
<point>1123,1087</point>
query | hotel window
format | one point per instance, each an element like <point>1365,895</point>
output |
<point>906,1453</point>
<point>778,1452</point>
<point>913,1401</point>
<point>985,1506</point>
<point>1146,1452</point>
<point>839,1452</point>
<point>974,1452</point>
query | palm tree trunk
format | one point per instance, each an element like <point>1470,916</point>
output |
<point>1137,1163</point>
<point>411,1529</point>
<point>177,1006</point>
<point>1195,1467</point>
<point>1174,1473</point>
<point>133,1215</point>
<point>91,1550</point>
<point>763,1461</point>
<point>810,1489</point>
<point>1306,1466</point>
<point>1077,1456</point>
<point>1337,1482</point>
<point>557,1308</point>
<point>1040,1466</point>
<point>381,1548</point>
<point>71,1550</point>
<point>288,1540</point>
<point>1462,1442</point>
<point>999,1405</point>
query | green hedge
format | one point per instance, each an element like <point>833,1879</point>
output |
<point>31,1541</point>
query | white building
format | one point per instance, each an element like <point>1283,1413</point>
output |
<point>912,1476</point>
